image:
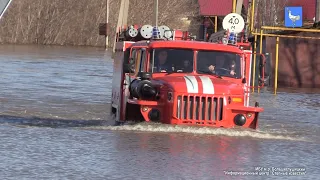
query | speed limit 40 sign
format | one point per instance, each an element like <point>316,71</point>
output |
<point>233,22</point>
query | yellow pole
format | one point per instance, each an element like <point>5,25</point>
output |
<point>254,61</point>
<point>234,4</point>
<point>261,41</point>
<point>252,15</point>
<point>289,29</point>
<point>215,24</point>
<point>287,36</point>
<point>276,68</point>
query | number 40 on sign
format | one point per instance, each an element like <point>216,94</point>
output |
<point>233,22</point>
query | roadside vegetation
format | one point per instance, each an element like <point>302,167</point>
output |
<point>76,22</point>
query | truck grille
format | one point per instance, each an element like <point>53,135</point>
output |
<point>199,108</point>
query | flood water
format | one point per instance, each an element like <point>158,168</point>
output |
<point>45,84</point>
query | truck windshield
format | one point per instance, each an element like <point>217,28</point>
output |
<point>219,63</point>
<point>171,60</point>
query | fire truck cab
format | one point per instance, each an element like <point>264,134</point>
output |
<point>176,80</point>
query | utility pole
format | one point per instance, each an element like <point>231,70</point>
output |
<point>156,12</point>
<point>107,25</point>
<point>239,6</point>
<point>317,19</point>
<point>122,18</point>
<point>249,16</point>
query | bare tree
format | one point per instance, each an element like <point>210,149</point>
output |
<point>269,12</point>
<point>76,22</point>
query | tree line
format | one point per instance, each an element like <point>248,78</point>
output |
<point>76,22</point>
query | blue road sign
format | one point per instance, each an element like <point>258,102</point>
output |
<point>293,16</point>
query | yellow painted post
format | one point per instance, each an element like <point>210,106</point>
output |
<point>276,68</point>
<point>254,61</point>
<point>252,15</point>
<point>287,36</point>
<point>215,24</point>
<point>234,4</point>
<point>261,38</point>
<point>289,29</point>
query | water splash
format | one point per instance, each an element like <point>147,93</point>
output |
<point>161,128</point>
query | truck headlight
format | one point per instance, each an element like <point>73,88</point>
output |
<point>240,119</point>
<point>154,115</point>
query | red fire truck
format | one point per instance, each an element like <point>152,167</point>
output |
<point>163,75</point>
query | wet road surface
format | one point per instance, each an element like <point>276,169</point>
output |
<point>72,85</point>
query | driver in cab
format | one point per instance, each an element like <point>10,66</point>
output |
<point>162,66</point>
<point>232,68</point>
<point>219,66</point>
<point>187,66</point>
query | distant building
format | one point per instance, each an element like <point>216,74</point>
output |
<point>211,8</point>
<point>299,60</point>
<point>308,7</point>
<point>208,9</point>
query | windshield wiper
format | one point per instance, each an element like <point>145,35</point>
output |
<point>210,73</point>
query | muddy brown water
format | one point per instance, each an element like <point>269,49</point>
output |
<point>69,89</point>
